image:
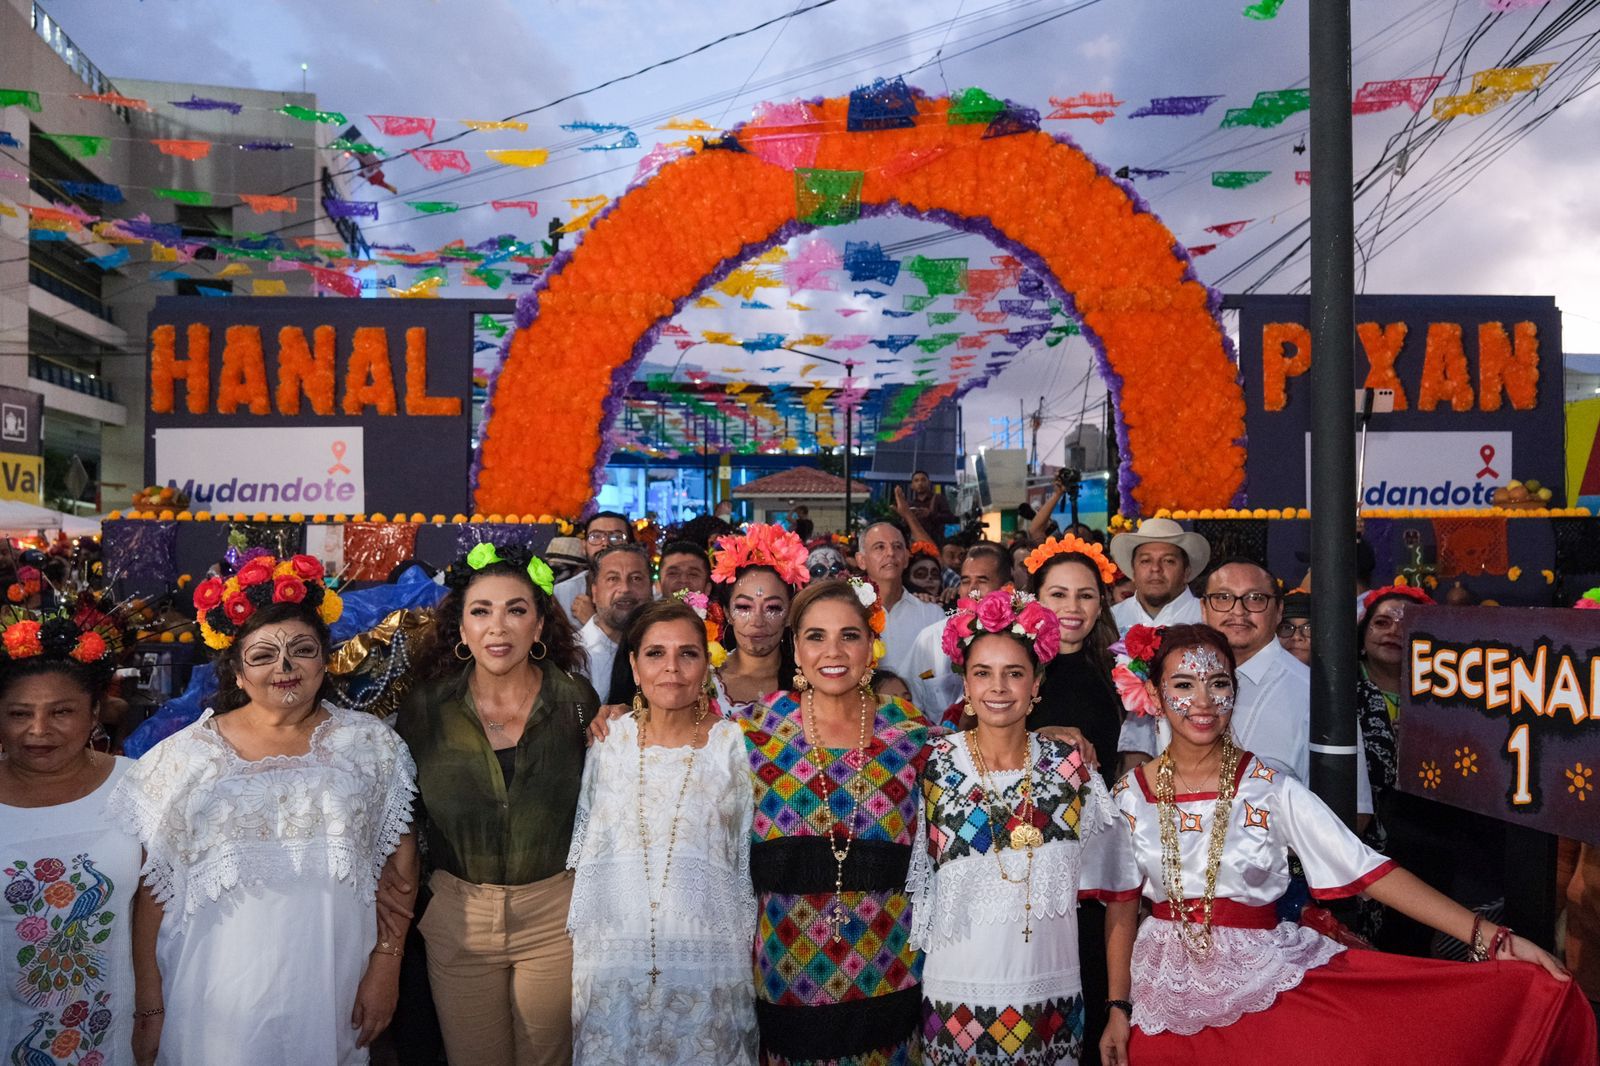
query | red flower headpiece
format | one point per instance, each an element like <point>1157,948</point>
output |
<point>1410,592</point>
<point>224,605</point>
<point>761,545</point>
<point>1134,653</point>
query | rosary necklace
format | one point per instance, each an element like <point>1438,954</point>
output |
<point>837,915</point>
<point>1025,837</point>
<point>701,710</point>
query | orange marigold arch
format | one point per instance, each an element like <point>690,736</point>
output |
<point>1180,408</point>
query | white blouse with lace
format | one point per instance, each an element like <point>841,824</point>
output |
<point>1246,968</point>
<point>701,1008</point>
<point>267,870</point>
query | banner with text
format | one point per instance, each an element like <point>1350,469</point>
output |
<point>378,396</point>
<point>1500,714</point>
<point>1472,379</point>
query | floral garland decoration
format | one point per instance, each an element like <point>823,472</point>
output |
<point>29,583</point>
<point>590,319</point>
<point>56,637</point>
<point>925,548</point>
<point>1069,545</point>
<point>1004,610</point>
<point>761,545</point>
<point>868,596</point>
<point>1135,652</point>
<point>459,573</point>
<point>224,605</point>
<point>710,613</point>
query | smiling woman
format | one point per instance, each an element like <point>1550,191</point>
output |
<point>266,825</point>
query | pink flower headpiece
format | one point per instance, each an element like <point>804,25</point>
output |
<point>1135,652</point>
<point>761,545</point>
<point>1004,610</point>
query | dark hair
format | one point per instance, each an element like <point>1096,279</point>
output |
<point>92,678</point>
<point>657,612</point>
<point>618,515</point>
<point>978,633</point>
<point>1366,617</point>
<point>685,547</point>
<point>1242,560</point>
<point>604,553</point>
<point>1190,636</point>
<point>230,695</point>
<point>436,654</point>
<point>723,594</point>
<point>924,473</point>
<point>700,531</point>
<point>1104,634</point>
<point>886,520</point>
<point>832,588</point>
<point>988,549</point>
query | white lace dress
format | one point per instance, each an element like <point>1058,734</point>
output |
<point>1254,958</point>
<point>991,997</point>
<point>267,872</point>
<point>701,1010</point>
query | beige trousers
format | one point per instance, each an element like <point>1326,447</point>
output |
<point>500,963</point>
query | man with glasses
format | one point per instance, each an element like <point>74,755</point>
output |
<point>1294,632</point>
<point>1162,560</point>
<point>605,529</point>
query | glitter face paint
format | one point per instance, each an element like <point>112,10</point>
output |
<point>1209,670</point>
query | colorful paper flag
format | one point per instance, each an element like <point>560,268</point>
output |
<point>8,141</point>
<point>1376,96</point>
<point>105,192</point>
<point>20,98</point>
<point>1096,107</point>
<point>306,114</point>
<point>337,208</point>
<point>974,107</point>
<point>828,197</point>
<point>202,103</point>
<point>77,144</point>
<point>588,207</point>
<point>111,260</point>
<point>403,125</point>
<point>433,207</point>
<point>438,160</point>
<point>190,150</point>
<point>269,287</point>
<point>1262,10</point>
<point>192,197</point>
<point>261,204</point>
<point>1236,179</point>
<point>519,157</point>
<point>1269,109</point>
<point>530,206</point>
<point>1228,229</point>
<point>354,147</point>
<point>1175,107</point>
<point>502,124</point>
<point>114,99</point>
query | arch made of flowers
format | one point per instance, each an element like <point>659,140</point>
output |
<point>597,310</point>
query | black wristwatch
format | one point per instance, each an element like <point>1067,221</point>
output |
<point>1120,1004</point>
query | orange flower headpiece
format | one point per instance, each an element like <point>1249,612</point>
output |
<point>925,548</point>
<point>224,605</point>
<point>761,545</point>
<point>1070,545</point>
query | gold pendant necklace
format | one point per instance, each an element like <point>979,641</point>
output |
<point>1196,939</point>
<point>655,900</point>
<point>837,915</point>
<point>1025,836</point>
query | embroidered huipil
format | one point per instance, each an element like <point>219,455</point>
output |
<point>1253,958</point>
<point>857,1000</point>
<point>989,996</point>
<point>700,1009</point>
<point>266,870</point>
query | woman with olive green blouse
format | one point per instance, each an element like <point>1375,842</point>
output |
<point>498,737</point>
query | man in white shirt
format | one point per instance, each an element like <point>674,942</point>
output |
<point>882,557</point>
<point>621,585</point>
<point>604,529</point>
<point>1162,560</point>
<point>1272,711</point>
<point>934,685</point>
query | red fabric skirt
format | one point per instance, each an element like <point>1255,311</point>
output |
<point>1370,1008</point>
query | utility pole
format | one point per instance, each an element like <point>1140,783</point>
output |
<point>1038,418</point>
<point>1333,457</point>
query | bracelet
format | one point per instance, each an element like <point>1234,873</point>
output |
<point>386,948</point>
<point>151,1013</point>
<point>1477,952</point>
<point>1120,1004</point>
<point>1503,935</point>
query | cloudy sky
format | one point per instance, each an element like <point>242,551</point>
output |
<point>1498,203</point>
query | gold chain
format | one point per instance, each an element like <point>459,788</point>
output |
<point>837,917</point>
<point>1025,837</point>
<point>701,710</point>
<point>1196,940</point>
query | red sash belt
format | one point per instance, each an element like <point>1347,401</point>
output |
<point>1224,912</point>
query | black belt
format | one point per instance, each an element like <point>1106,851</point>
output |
<point>804,865</point>
<point>840,1030</point>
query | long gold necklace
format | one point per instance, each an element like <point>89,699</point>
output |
<point>701,710</point>
<point>837,915</point>
<point>1025,837</point>
<point>1197,940</point>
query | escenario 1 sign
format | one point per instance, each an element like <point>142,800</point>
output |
<point>312,405</point>
<point>1477,397</point>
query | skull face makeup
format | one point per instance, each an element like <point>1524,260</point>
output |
<point>282,664</point>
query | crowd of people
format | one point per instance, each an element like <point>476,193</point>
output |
<point>751,797</point>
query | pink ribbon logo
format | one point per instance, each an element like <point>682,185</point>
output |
<point>340,447</point>
<point>1486,453</point>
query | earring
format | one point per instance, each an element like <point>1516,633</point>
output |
<point>98,735</point>
<point>461,644</point>
<point>641,709</point>
<point>865,684</point>
<point>800,682</point>
<point>543,651</point>
<point>1036,700</point>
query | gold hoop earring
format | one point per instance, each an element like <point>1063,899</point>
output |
<point>641,709</point>
<point>800,682</point>
<point>543,651</point>
<point>464,658</point>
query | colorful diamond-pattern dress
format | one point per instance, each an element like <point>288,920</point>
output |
<point>854,1001</point>
<point>1001,982</point>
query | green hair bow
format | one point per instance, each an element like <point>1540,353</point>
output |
<point>539,572</point>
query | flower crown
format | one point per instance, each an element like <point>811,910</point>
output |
<point>1005,610</point>
<point>224,605</point>
<point>761,545</point>
<point>460,573</point>
<point>1070,545</point>
<point>57,638</point>
<point>1410,592</point>
<point>710,613</point>
<point>1135,652</point>
<point>29,583</point>
<point>925,548</point>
